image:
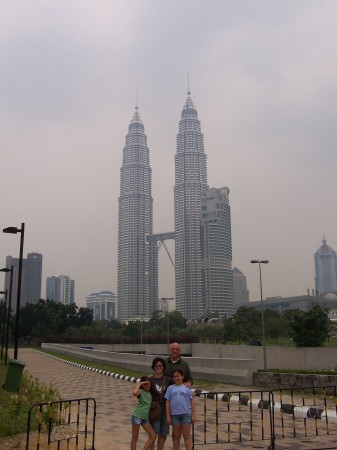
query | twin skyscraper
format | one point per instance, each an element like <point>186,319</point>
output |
<point>203,242</point>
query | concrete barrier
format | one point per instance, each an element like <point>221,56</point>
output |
<point>221,370</point>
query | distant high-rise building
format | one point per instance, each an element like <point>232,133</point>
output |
<point>190,182</point>
<point>103,305</point>
<point>325,269</point>
<point>241,293</point>
<point>60,288</point>
<point>216,252</point>
<point>135,222</point>
<point>30,280</point>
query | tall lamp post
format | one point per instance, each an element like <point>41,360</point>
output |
<point>259,262</point>
<point>5,269</point>
<point>14,230</point>
<point>3,321</point>
<point>166,300</point>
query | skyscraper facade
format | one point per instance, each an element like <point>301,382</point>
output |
<point>216,252</point>
<point>241,293</point>
<point>30,281</point>
<point>325,269</point>
<point>135,222</point>
<point>60,288</point>
<point>190,182</point>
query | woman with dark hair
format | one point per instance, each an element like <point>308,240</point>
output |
<point>159,385</point>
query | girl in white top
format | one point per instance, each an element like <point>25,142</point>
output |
<point>180,410</point>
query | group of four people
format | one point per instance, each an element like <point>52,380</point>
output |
<point>170,385</point>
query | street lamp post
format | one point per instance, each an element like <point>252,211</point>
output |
<point>3,321</point>
<point>259,262</point>
<point>5,269</point>
<point>166,300</point>
<point>14,230</point>
<point>141,335</point>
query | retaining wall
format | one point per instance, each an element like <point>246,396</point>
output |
<point>223,370</point>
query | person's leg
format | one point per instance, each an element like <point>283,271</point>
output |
<point>152,436</point>
<point>186,432</point>
<point>156,426</point>
<point>163,431</point>
<point>176,435</point>
<point>134,437</point>
<point>161,442</point>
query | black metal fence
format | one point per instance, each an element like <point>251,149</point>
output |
<point>64,424</point>
<point>234,417</point>
<point>267,418</point>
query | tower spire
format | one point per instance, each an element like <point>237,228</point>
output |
<point>188,84</point>
<point>136,99</point>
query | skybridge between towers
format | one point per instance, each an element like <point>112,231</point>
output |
<point>155,242</point>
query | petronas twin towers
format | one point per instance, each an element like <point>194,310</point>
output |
<point>137,246</point>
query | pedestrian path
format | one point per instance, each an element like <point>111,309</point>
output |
<point>115,403</point>
<point>113,397</point>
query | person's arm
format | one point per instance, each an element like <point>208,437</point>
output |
<point>136,391</point>
<point>194,413</point>
<point>167,410</point>
<point>186,369</point>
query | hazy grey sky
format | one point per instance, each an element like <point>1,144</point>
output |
<point>263,78</point>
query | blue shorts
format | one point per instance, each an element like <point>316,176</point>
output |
<point>139,421</point>
<point>181,419</point>
<point>160,426</point>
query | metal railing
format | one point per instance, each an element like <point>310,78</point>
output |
<point>267,417</point>
<point>68,424</point>
<point>234,417</point>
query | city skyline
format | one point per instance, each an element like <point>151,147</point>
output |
<point>262,76</point>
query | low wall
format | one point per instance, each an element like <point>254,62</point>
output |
<point>222,363</point>
<point>287,358</point>
<point>292,380</point>
<point>222,370</point>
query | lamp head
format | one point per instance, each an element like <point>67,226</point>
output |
<point>5,269</point>
<point>11,230</point>
<point>262,261</point>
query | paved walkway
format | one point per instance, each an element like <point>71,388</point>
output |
<point>115,404</point>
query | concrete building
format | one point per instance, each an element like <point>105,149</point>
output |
<point>241,293</point>
<point>103,305</point>
<point>190,182</point>
<point>135,222</point>
<point>301,302</point>
<point>60,288</point>
<point>30,280</point>
<point>216,252</point>
<point>325,269</point>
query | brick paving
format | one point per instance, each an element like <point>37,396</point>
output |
<point>115,403</point>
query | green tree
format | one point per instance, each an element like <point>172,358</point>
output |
<point>48,317</point>
<point>310,329</point>
<point>247,324</point>
<point>229,329</point>
<point>276,325</point>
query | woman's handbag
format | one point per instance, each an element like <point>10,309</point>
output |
<point>154,413</point>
